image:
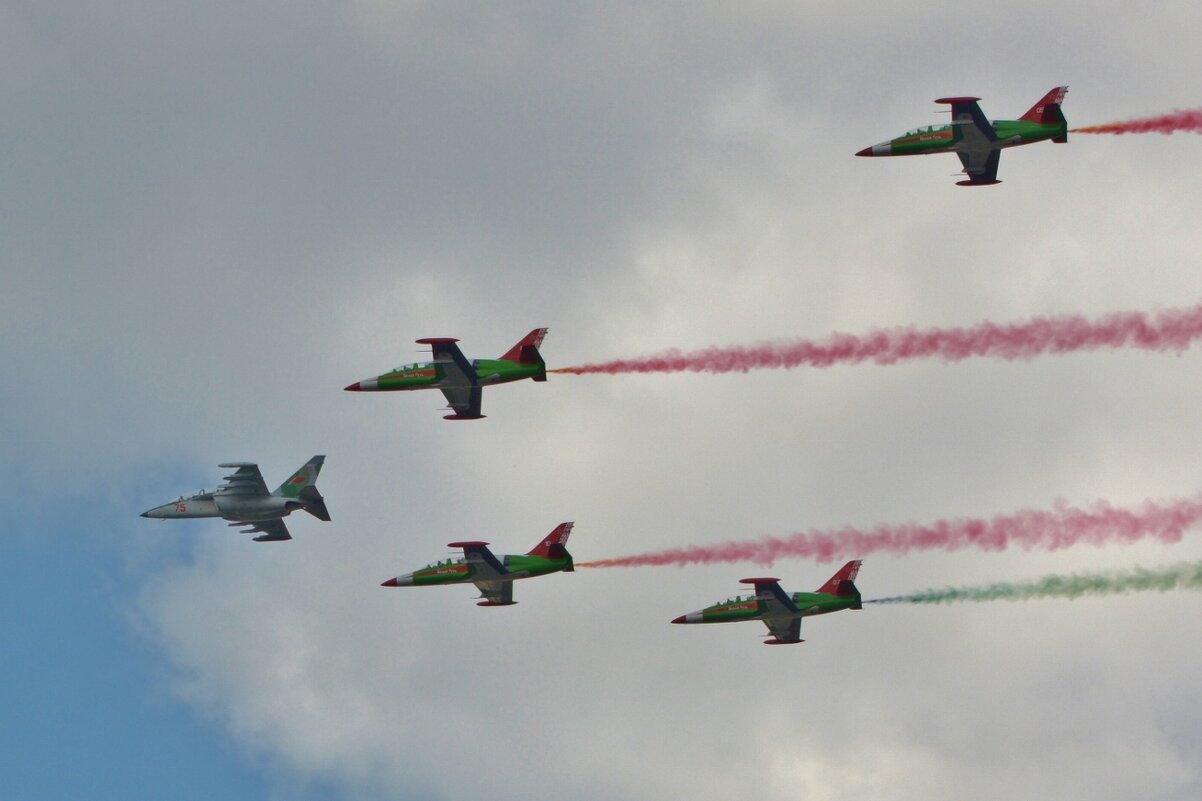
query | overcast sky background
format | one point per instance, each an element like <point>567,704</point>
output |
<point>215,218</point>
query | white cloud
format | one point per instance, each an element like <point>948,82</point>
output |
<point>271,219</point>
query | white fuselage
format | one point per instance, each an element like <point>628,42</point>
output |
<point>229,506</point>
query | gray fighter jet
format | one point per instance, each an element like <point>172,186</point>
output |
<point>245,499</point>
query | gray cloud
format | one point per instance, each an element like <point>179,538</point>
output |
<point>219,218</point>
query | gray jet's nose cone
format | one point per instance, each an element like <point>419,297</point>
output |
<point>146,514</point>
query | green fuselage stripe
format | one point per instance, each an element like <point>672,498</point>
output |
<point>942,138</point>
<point>432,375</point>
<point>807,603</point>
<point>459,572</point>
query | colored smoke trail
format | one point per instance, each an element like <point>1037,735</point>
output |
<point>1169,329</point>
<point>1062,527</point>
<point>1184,576</point>
<point>1189,120</point>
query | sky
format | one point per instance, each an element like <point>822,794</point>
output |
<point>215,217</point>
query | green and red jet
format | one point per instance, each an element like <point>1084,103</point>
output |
<point>494,576</point>
<point>459,380</point>
<point>780,611</point>
<point>976,140</point>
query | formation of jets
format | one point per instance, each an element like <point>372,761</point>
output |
<point>977,141</point>
<point>245,501</point>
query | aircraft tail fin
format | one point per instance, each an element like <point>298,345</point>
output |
<point>843,582</point>
<point>1047,110</point>
<point>554,545</point>
<point>302,479</point>
<point>526,351</point>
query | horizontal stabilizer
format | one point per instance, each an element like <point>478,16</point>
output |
<point>318,509</point>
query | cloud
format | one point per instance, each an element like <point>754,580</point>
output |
<point>221,224</point>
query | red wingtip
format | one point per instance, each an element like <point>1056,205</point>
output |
<point>390,583</point>
<point>352,387</point>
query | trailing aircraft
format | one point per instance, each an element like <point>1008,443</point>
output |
<point>780,611</point>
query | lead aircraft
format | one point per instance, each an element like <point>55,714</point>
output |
<point>977,141</point>
<point>459,380</point>
<point>245,499</point>
<point>494,576</point>
<point>780,611</point>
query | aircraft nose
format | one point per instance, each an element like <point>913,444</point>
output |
<point>400,581</point>
<point>680,619</point>
<point>146,514</point>
<point>882,149</point>
<point>353,387</point>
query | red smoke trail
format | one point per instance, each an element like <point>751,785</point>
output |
<point>1062,527</point>
<point>1190,120</point>
<point>1171,329</point>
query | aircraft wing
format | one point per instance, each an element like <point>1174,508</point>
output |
<point>460,383</point>
<point>492,577</point>
<point>272,530</point>
<point>496,593</point>
<point>785,630</point>
<point>246,480</point>
<point>971,125</point>
<point>487,566</point>
<point>776,601</point>
<point>465,400</point>
<point>457,368</point>
<point>980,165</point>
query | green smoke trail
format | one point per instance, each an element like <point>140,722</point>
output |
<point>1184,576</point>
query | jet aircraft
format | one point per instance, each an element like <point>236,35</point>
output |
<point>494,576</point>
<point>245,499</point>
<point>781,612</point>
<point>975,140</point>
<point>459,380</point>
